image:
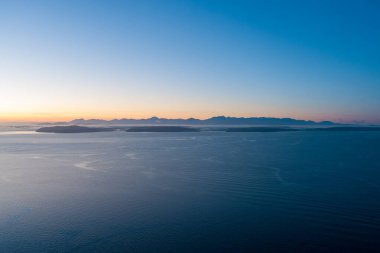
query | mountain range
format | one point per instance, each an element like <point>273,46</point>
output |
<point>219,120</point>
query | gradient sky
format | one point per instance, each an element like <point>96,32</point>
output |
<point>317,60</point>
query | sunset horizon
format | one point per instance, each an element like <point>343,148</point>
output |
<point>51,118</point>
<point>188,59</point>
<point>189,126</point>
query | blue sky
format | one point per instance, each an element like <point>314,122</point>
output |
<point>316,60</point>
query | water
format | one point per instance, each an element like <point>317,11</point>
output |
<point>190,192</point>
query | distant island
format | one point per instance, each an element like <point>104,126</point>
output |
<point>261,129</point>
<point>73,129</point>
<point>346,129</point>
<point>163,129</point>
<point>85,129</point>
<point>219,120</point>
<point>305,129</point>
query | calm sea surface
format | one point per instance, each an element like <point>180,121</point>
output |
<point>190,192</point>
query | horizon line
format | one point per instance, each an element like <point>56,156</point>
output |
<point>66,119</point>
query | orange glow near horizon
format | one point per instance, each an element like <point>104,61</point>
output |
<point>19,117</point>
<point>73,60</point>
<point>58,117</point>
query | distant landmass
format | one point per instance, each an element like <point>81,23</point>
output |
<point>220,120</point>
<point>73,129</point>
<point>261,129</point>
<point>163,129</point>
<point>83,129</point>
<point>346,129</point>
<point>317,129</point>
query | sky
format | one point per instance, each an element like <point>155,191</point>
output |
<point>315,60</point>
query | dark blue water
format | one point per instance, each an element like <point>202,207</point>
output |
<point>190,192</point>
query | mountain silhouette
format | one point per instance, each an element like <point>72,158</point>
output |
<point>219,120</point>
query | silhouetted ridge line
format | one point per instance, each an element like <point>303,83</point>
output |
<point>83,129</point>
<point>219,120</point>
